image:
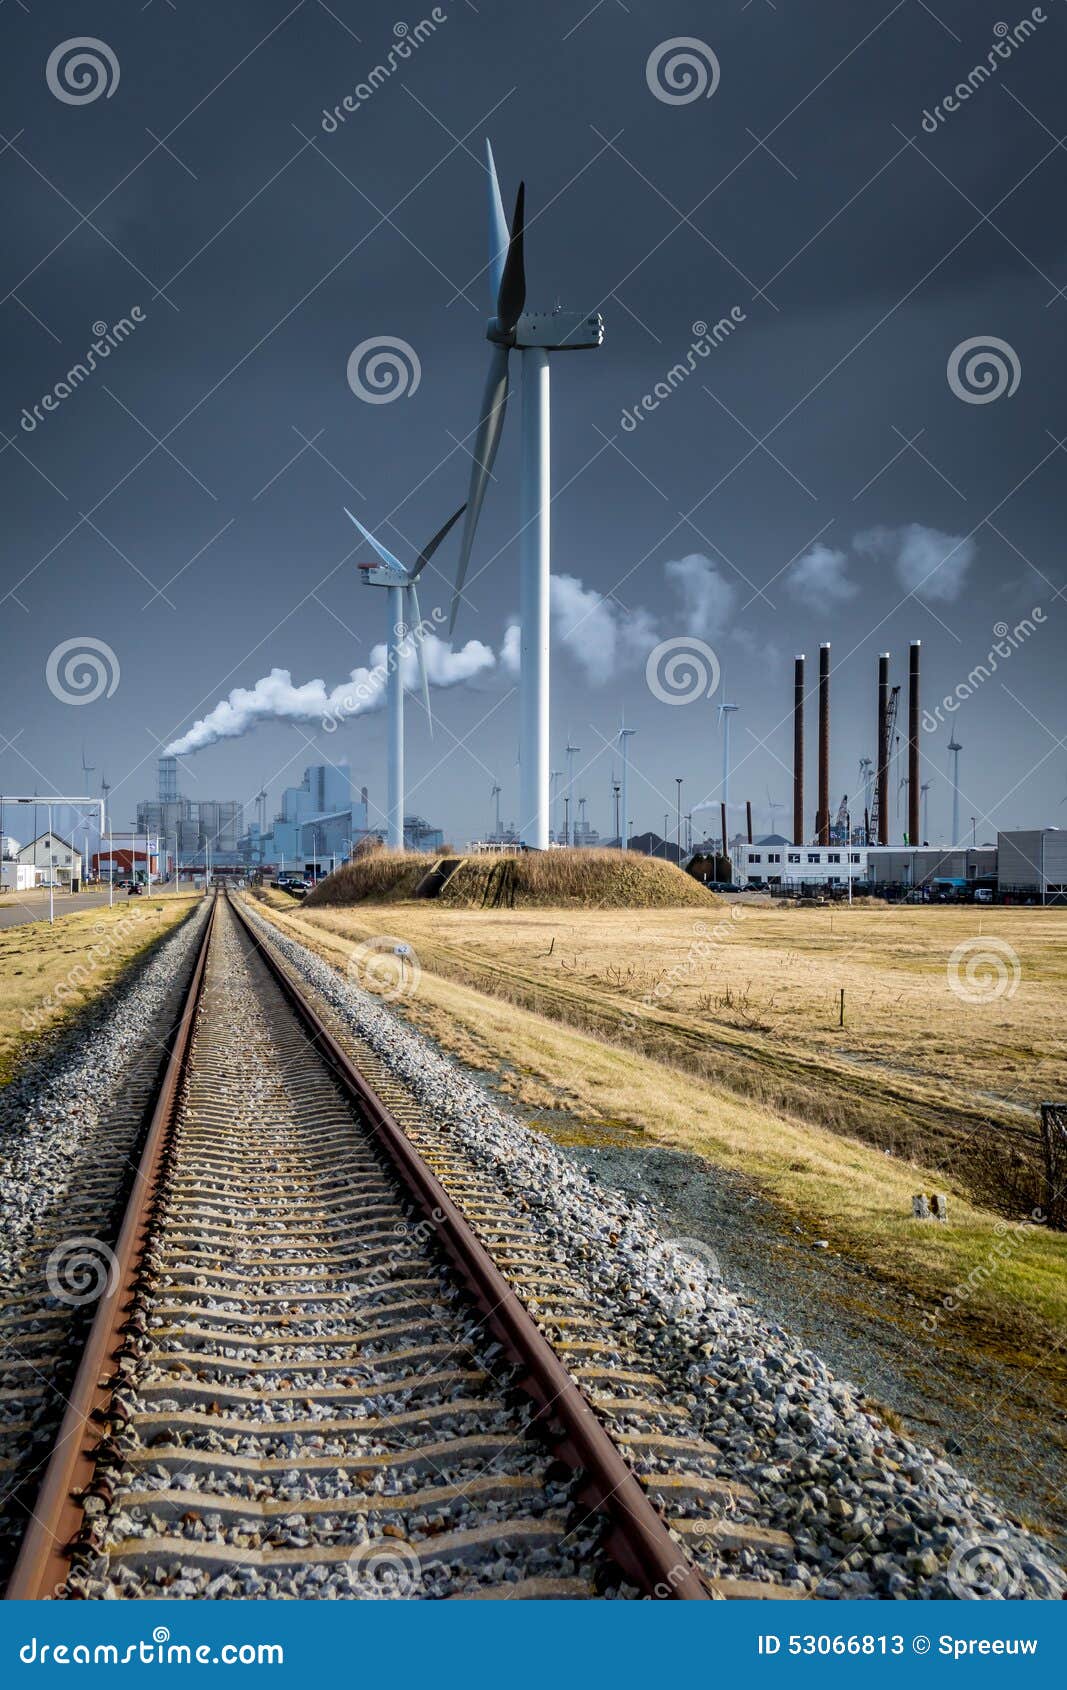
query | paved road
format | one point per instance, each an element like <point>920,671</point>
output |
<point>17,908</point>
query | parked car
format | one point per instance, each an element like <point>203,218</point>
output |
<point>133,890</point>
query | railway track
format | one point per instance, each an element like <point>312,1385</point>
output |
<point>334,1361</point>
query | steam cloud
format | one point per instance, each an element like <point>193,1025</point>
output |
<point>708,598</point>
<point>926,561</point>
<point>275,698</point>
<point>822,572</point>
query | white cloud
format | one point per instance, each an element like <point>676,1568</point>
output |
<point>823,573</point>
<point>708,598</point>
<point>598,631</point>
<point>509,651</point>
<point>927,562</point>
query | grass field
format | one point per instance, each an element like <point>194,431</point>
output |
<point>1007,1282</point>
<point>47,973</point>
<point>939,1060</point>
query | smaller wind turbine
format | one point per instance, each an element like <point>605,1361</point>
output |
<point>400,584</point>
<point>495,797</point>
<point>625,734</point>
<point>924,794</point>
<point>955,748</point>
<point>773,804</point>
<point>572,752</point>
<point>725,712</point>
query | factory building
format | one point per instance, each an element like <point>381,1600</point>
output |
<point>194,828</point>
<point>1033,863</point>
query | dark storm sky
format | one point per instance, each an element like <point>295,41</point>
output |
<point>261,250</point>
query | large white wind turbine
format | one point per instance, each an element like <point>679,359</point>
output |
<point>400,583</point>
<point>535,335</point>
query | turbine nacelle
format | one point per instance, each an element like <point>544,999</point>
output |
<point>374,575</point>
<point>553,331</point>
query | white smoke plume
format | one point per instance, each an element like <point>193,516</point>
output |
<point>597,630</point>
<point>275,697</point>
<point>707,597</point>
<point>927,562</point>
<point>822,572</point>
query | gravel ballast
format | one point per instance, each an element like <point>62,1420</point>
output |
<point>872,1513</point>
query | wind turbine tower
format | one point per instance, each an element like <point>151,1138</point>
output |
<point>400,586</point>
<point>924,793</point>
<point>955,748</point>
<point>725,712</point>
<point>572,752</point>
<point>534,334</point>
<point>625,734</point>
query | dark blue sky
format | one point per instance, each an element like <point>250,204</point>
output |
<point>184,504</point>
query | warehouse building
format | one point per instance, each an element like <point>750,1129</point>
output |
<point>1033,863</point>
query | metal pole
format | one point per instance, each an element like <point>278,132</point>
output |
<point>534,572</point>
<point>678,784</point>
<point>849,817</point>
<point>395,701</point>
<point>111,866</point>
<point>51,869</point>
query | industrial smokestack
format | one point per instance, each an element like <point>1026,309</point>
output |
<point>883,748</point>
<point>725,841</point>
<point>748,812</point>
<point>914,791</point>
<point>824,744</point>
<point>798,750</point>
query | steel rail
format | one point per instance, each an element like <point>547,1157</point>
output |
<point>42,1565</point>
<point>637,1538</point>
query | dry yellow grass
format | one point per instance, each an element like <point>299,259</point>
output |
<point>559,879</point>
<point>749,997</point>
<point>1007,1282</point>
<point>48,972</point>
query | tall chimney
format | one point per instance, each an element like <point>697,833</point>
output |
<point>798,750</point>
<point>725,841</point>
<point>914,790</point>
<point>748,811</point>
<point>824,743</point>
<point>883,748</point>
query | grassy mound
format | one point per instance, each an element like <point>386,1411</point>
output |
<point>550,879</point>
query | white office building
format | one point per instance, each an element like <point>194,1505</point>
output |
<point>54,860</point>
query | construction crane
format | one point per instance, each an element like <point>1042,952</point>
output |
<point>890,727</point>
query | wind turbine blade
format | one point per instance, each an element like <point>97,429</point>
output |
<point>511,296</point>
<point>386,556</point>
<point>498,229</point>
<point>419,636</point>
<point>427,553</point>
<point>494,405</point>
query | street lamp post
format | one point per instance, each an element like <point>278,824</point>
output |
<point>678,784</point>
